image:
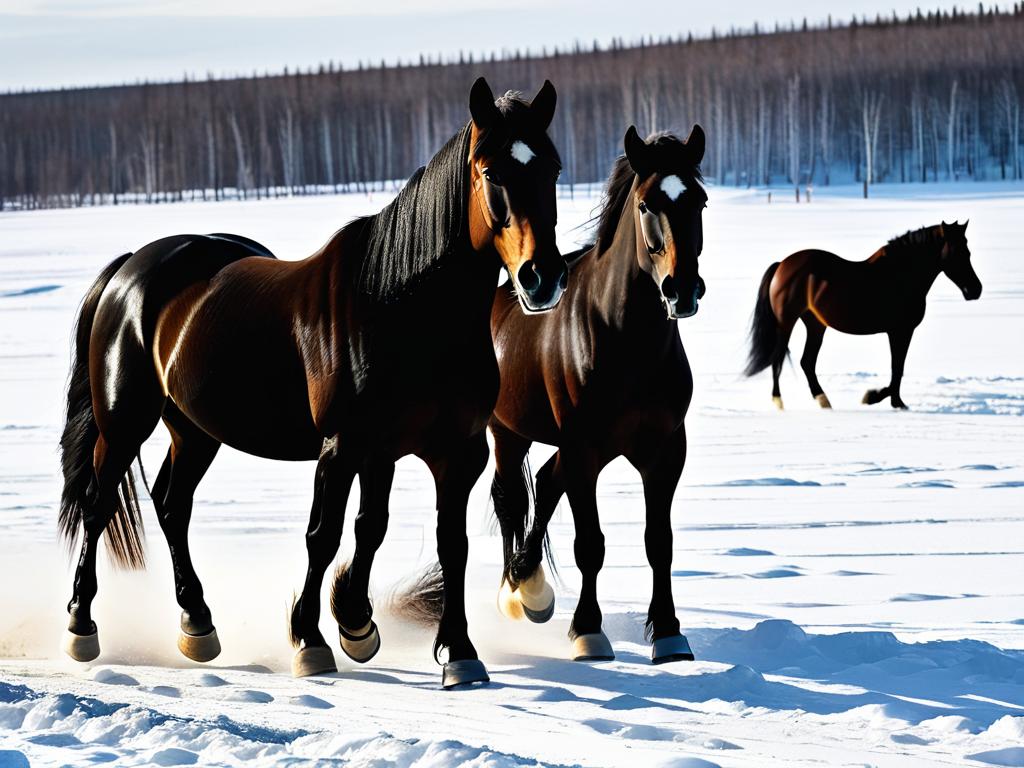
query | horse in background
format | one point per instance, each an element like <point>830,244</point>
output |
<point>883,294</point>
<point>604,375</point>
<point>373,348</point>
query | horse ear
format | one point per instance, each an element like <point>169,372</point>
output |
<point>481,105</point>
<point>966,222</point>
<point>636,152</point>
<point>543,105</point>
<point>695,144</point>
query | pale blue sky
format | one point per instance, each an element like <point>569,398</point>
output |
<point>51,43</point>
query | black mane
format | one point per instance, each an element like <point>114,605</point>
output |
<point>420,226</point>
<point>913,239</point>
<point>671,158</point>
<point>424,224</point>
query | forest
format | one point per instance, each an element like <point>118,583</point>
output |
<point>930,97</point>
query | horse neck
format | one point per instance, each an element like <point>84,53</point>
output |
<point>918,265</point>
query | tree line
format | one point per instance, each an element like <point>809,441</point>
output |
<point>929,97</point>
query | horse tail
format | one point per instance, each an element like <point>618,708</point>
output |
<point>420,599</point>
<point>766,345</point>
<point>78,441</point>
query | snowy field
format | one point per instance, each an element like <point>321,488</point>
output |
<point>851,581</point>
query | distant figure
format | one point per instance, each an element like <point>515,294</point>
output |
<point>884,294</point>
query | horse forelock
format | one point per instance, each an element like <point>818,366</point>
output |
<point>516,125</point>
<point>671,158</point>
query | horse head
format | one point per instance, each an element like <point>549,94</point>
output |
<point>669,202</point>
<point>955,260</point>
<point>513,170</point>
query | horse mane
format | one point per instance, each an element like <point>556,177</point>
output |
<point>671,157</point>
<point>912,239</point>
<point>424,224</point>
<point>419,227</point>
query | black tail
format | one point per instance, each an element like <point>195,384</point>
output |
<point>124,535</point>
<point>765,341</point>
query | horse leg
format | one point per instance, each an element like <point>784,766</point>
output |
<point>809,359</point>
<point>899,344</point>
<point>112,461</point>
<point>785,330</point>
<point>455,471</point>
<point>350,599</point>
<point>660,480</point>
<point>189,457</point>
<point>526,591</point>
<point>589,642</point>
<point>508,489</point>
<point>334,475</point>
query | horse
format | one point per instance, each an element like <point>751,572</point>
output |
<point>375,347</point>
<point>604,375</point>
<point>885,293</point>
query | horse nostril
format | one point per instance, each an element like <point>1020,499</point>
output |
<point>529,278</point>
<point>668,290</point>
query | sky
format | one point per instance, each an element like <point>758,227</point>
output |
<point>57,43</point>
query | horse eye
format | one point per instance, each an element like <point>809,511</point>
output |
<point>643,206</point>
<point>492,177</point>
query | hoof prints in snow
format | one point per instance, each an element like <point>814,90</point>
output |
<point>747,552</point>
<point>761,482</point>
<point>313,702</point>
<point>110,677</point>
<point>211,681</point>
<point>250,697</point>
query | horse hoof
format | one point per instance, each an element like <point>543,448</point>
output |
<point>823,400</point>
<point>592,647</point>
<point>81,647</point>
<point>509,603</point>
<point>463,672</point>
<point>360,646</point>
<point>674,648</point>
<point>777,399</point>
<point>205,647</point>
<point>313,660</point>
<point>537,597</point>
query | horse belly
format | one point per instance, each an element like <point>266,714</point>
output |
<point>242,383</point>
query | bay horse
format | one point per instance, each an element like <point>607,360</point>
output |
<point>375,347</point>
<point>885,293</point>
<point>604,375</point>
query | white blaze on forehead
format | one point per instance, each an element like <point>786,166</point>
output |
<point>521,152</point>
<point>672,186</point>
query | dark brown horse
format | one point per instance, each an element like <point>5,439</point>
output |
<point>883,294</point>
<point>375,347</point>
<point>601,376</point>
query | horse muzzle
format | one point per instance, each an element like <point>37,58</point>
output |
<point>679,308</point>
<point>540,285</point>
<point>971,292</point>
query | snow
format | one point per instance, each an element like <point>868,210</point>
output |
<point>849,580</point>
